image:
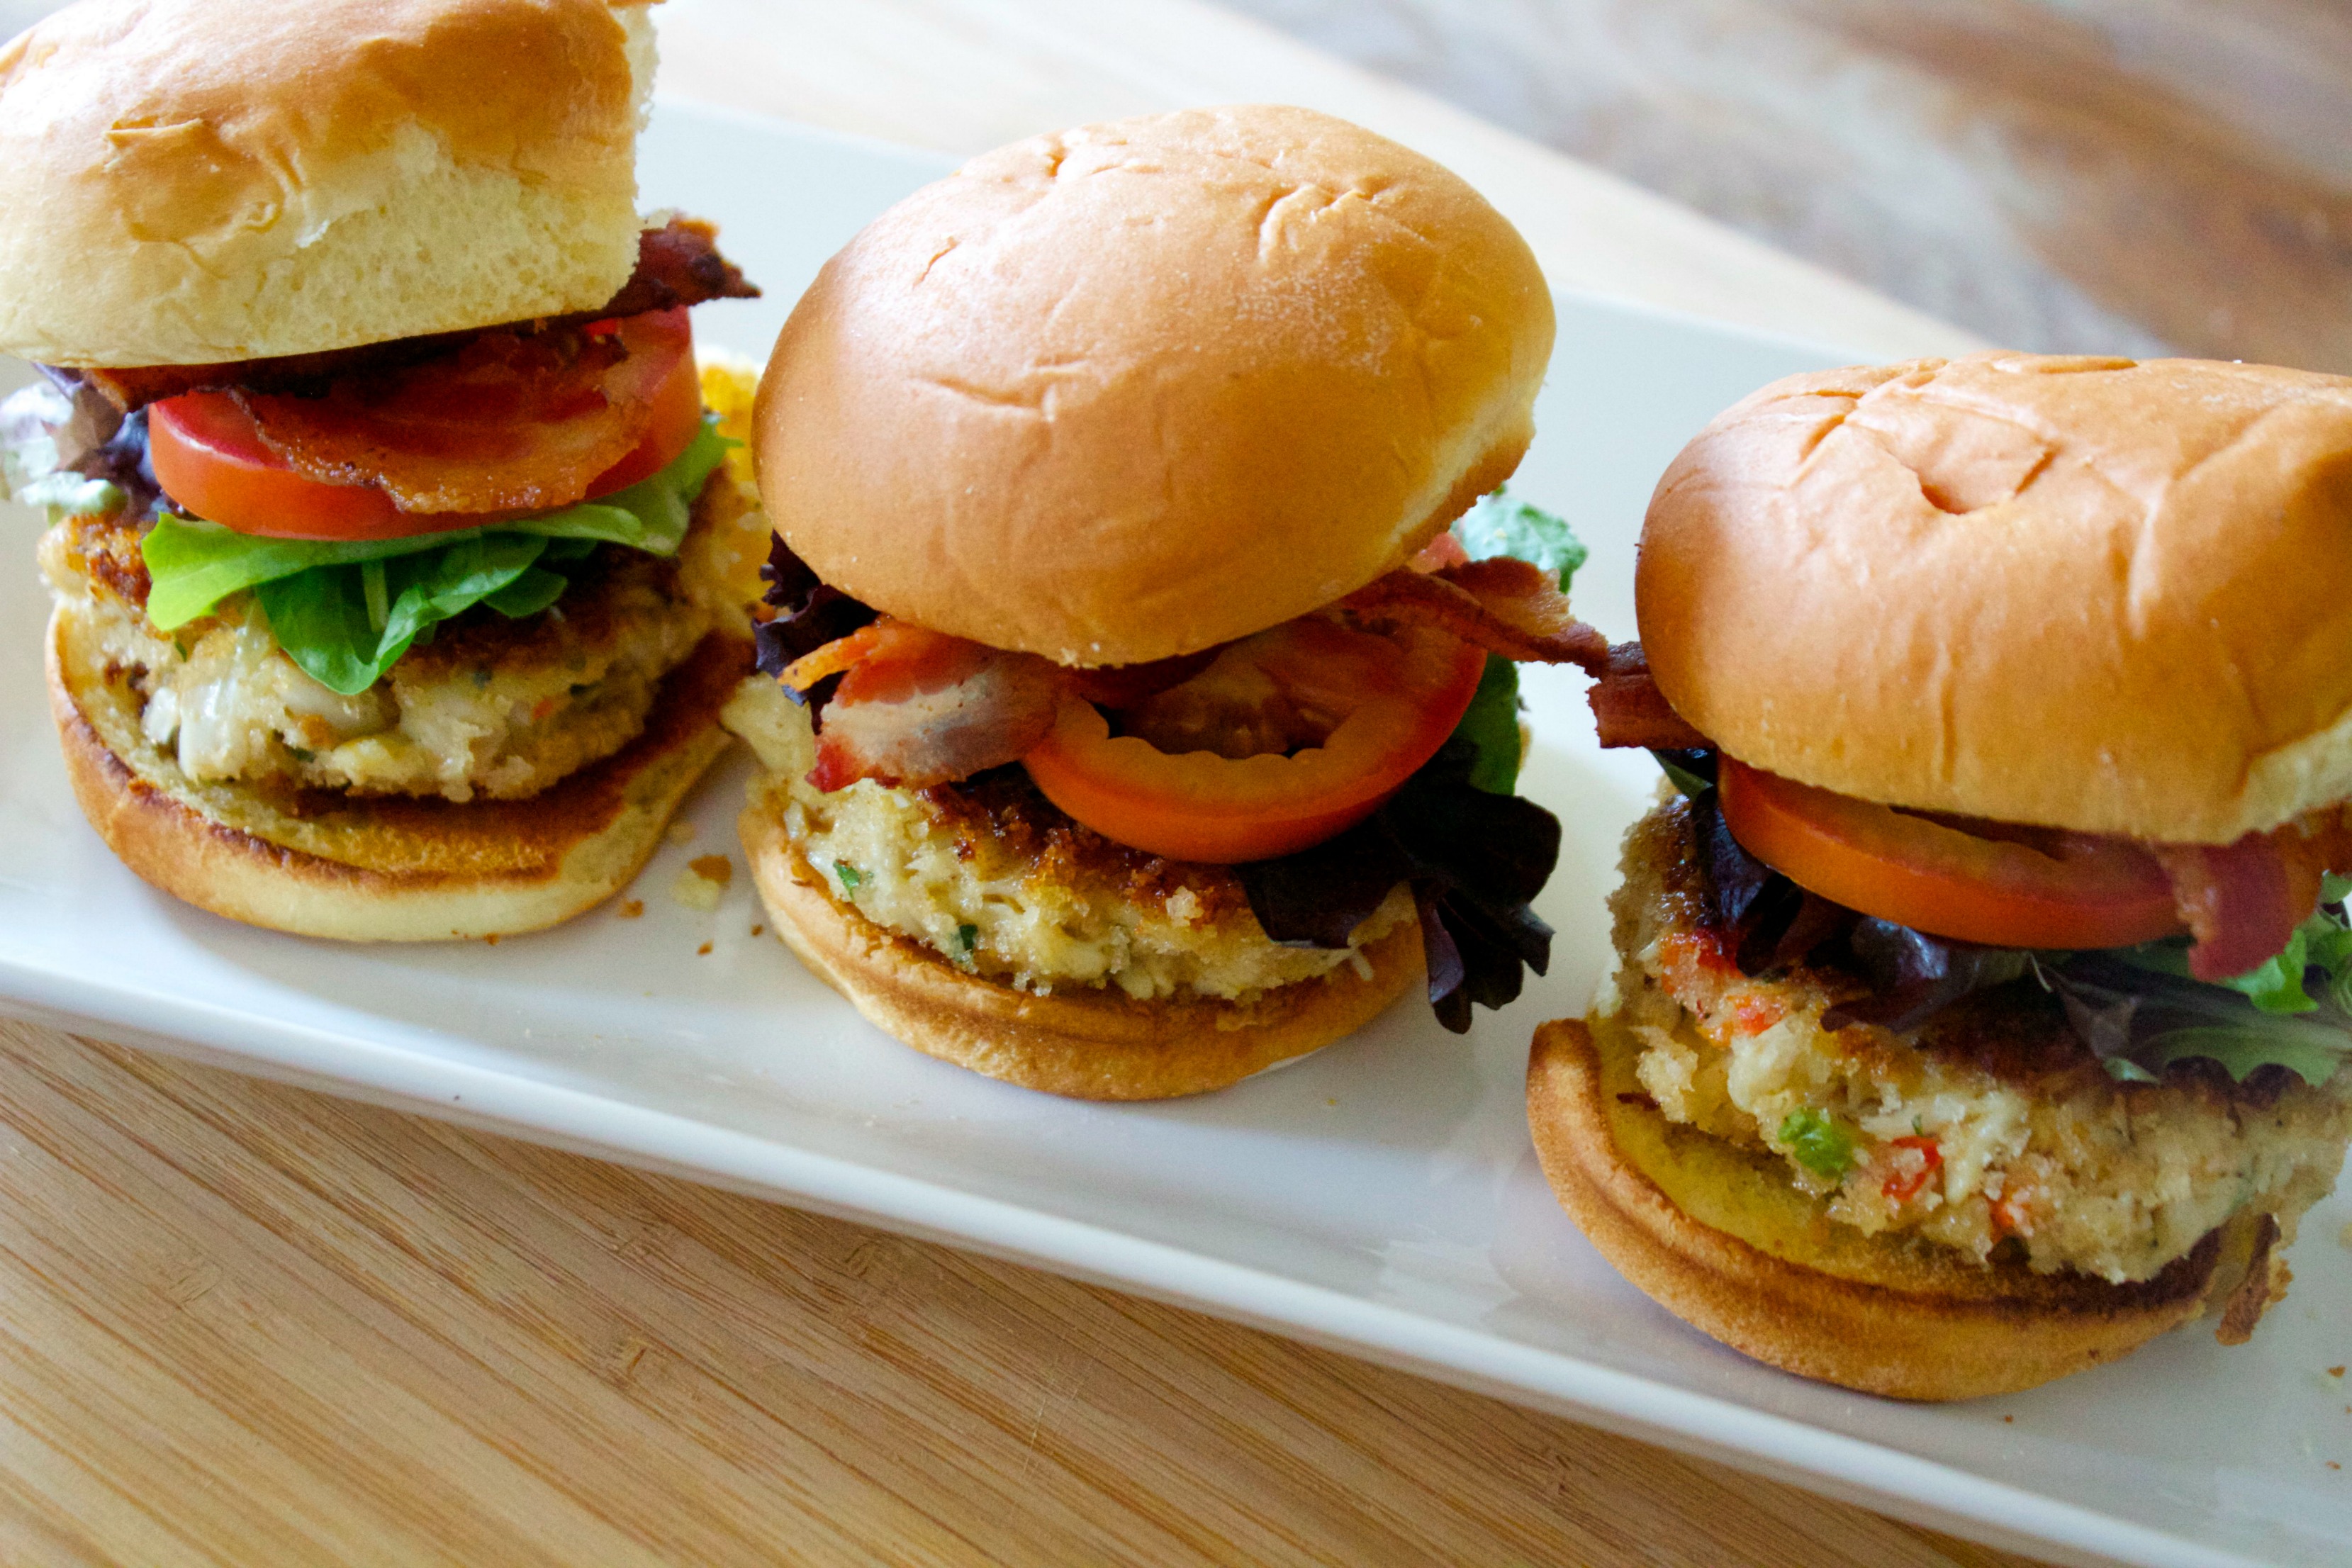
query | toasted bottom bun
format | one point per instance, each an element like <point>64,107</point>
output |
<point>1086,1043</point>
<point>1720,1236</point>
<point>390,868</point>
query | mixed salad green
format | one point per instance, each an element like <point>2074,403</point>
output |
<point>1501,524</point>
<point>345,611</point>
<point>2139,1008</point>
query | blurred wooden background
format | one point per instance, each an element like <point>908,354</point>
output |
<point>2140,176</point>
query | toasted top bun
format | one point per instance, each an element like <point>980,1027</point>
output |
<point>195,181</point>
<point>1139,388</point>
<point>2086,593</point>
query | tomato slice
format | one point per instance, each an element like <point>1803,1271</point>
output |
<point>2030,887</point>
<point>210,459</point>
<point>1285,739</point>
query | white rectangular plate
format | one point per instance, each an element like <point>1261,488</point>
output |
<point>1380,1197</point>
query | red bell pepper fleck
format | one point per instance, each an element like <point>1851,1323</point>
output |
<point>1903,1187</point>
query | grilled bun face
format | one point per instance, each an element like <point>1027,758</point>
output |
<point>1134,390</point>
<point>274,177</point>
<point>2095,595</point>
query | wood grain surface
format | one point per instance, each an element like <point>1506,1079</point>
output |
<point>2134,176</point>
<point>241,1323</point>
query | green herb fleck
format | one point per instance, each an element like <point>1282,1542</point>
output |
<point>301,754</point>
<point>851,877</point>
<point>1817,1142</point>
<point>967,939</point>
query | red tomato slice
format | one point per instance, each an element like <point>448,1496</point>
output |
<point>2030,889</point>
<point>210,459</point>
<point>1355,713</point>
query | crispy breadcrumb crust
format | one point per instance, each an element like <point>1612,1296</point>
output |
<point>1083,1041</point>
<point>1715,1233</point>
<point>994,878</point>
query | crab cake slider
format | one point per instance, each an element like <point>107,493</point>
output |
<point>1983,1004</point>
<point>398,575</point>
<point>1143,611</point>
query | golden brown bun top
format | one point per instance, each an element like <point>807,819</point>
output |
<point>1139,388</point>
<point>192,181</point>
<point>2087,594</point>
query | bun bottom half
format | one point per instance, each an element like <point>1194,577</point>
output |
<point>387,867</point>
<point>1719,1235</point>
<point>1082,1043</point>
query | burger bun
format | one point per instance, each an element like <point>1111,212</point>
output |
<point>1137,389</point>
<point>2087,594</point>
<point>198,180</point>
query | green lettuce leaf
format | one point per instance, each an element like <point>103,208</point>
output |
<point>2267,1016</point>
<point>2313,1053</point>
<point>192,566</point>
<point>66,494</point>
<point>346,610</point>
<point>1499,525</point>
<point>1502,525</point>
<point>1491,725</point>
<point>2276,984</point>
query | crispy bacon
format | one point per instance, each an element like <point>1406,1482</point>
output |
<point>917,708</point>
<point>678,264</point>
<point>2241,901</point>
<point>1505,605</point>
<point>510,422</point>
<point>1632,711</point>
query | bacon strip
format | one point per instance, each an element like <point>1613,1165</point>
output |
<point>678,263</point>
<point>917,707</point>
<point>2241,901</point>
<point>510,422</point>
<point>1505,605</point>
<point>1632,711</point>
